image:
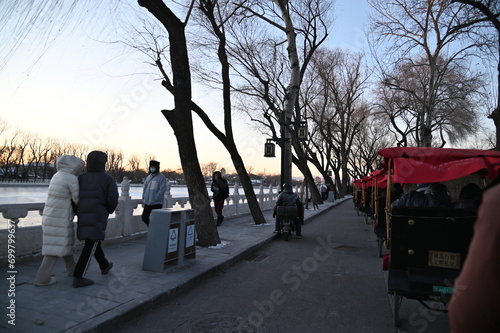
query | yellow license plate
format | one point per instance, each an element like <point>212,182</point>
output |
<point>444,259</point>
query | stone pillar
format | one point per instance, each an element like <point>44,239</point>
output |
<point>261,196</point>
<point>125,211</point>
<point>167,202</point>
<point>236,198</point>
<point>271,197</point>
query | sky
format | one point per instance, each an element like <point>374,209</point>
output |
<point>88,91</point>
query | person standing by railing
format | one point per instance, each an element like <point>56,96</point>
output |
<point>220,190</point>
<point>153,192</point>
<point>57,221</point>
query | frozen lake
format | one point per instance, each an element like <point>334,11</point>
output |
<point>38,193</point>
<point>11,194</point>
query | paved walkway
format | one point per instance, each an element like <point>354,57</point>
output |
<point>127,290</point>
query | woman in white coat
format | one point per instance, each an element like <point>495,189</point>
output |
<point>57,221</point>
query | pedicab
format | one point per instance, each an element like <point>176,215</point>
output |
<point>428,246</point>
<point>358,195</point>
<point>365,197</point>
<point>378,204</point>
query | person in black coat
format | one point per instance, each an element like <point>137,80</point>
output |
<point>290,199</point>
<point>220,191</point>
<point>98,199</point>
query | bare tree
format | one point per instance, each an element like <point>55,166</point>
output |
<point>209,168</point>
<point>78,150</point>
<point>9,155</point>
<point>491,10</point>
<point>180,118</point>
<point>216,17</point>
<point>372,137</point>
<point>134,163</point>
<point>115,163</point>
<point>48,159</point>
<point>22,155</point>
<point>338,109</point>
<point>454,108</point>
<point>148,158</point>
<point>39,150</point>
<point>426,34</point>
<point>270,72</point>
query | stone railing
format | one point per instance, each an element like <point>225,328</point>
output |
<point>125,223</point>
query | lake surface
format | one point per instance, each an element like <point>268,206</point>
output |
<point>22,193</point>
<point>10,194</point>
<point>38,193</point>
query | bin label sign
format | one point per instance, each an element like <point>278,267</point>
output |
<point>172,244</point>
<point>190,235</point>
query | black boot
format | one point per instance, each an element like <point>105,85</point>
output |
<point>81,282</point>
<point>219,220</point>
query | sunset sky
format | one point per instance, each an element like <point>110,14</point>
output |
<point>86,91</point>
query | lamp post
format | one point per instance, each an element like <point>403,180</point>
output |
<point>300,131</point>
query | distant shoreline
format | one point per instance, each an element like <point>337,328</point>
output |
<point>23,184</point>
<point>47,184</point>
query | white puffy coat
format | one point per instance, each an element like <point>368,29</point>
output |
<point>57,220</point>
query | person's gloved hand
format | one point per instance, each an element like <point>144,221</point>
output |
<point>274,214</point>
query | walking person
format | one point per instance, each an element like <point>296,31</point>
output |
<point>153,192</point>
<point>57,220</point>
<point>324,192</point>
<point>98,199</point>
<point>220,191</point>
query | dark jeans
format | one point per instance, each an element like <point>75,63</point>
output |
<point>147,212</point>
<point>90,248</point>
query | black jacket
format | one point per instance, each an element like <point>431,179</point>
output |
<point>287,198</point>
<point>220,188</point>
<point>98,198</point>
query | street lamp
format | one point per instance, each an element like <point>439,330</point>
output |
<point>300,130</point>
<point>269,148</point>
<point>301,135</point>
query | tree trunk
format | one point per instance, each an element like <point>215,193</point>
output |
<point>495,115</point>
<point>207,7</point>
<point>292,92</point>
<point>180,119</point>
<point>246,183</point>
<point>301,162</point>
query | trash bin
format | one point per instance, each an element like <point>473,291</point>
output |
<point>331,196</point>
<point>171,238</point>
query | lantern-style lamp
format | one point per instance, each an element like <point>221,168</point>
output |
<point>301,131</point>
<point>269,148</point>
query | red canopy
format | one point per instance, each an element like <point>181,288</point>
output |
<point>424,164</point>
<point>380,176</point>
